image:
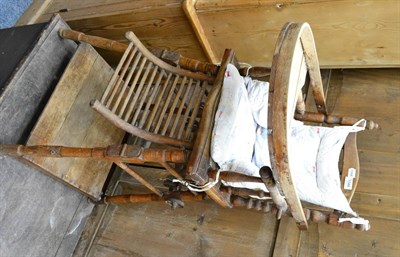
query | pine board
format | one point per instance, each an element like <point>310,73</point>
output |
<point>198,229</point>
<point>68,120</point>
<point>160,24</point>
<point>348,33</point>
<point>323,240</point>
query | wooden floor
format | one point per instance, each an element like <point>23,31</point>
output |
<point>199,229</point>
<point>348,33</point>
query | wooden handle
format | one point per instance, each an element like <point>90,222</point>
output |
<point>99,42</point>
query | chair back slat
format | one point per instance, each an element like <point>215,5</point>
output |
<point>149,101</point>
<point>173,102</point>
<point>115,75</point>
<point>133,86</point>
<point>124,82</point>
<point>157,104</point>
<point>146,97</point>
<point>199,99</point>
<point>191,103</point>
<point>116,88</point>
<point>153,96</point>
<point>138,93</point>
<point>166,102</point>
<point>182,105</point>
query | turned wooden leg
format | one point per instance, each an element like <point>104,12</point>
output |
<point>267,178</point>
<point>115,153</point>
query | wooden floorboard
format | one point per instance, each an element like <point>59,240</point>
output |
<point>344,36</point>
<point>199,229</point>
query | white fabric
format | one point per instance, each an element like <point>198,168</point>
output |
<point>314,157</point>
<point>303,144</point>
<point>234,127</point>
<point>358,220</point>
<point>240,143</point>
<point>258,92</point>
<point>328,178</point>
<point>248,185</point>
<point>258,97</point>
<point>261,150</point>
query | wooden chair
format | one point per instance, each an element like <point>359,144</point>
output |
<point>171,101</point>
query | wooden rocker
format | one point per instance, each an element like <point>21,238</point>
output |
<point>170,101</point>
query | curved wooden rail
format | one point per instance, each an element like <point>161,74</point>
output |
<point>294,56</point>
<point>167,67</point>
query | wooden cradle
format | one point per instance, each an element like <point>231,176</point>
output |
<point>169,100</point>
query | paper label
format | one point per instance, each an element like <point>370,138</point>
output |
<point>348,183</point>
<point>352,172</point>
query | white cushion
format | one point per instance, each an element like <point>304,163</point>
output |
<point>328,177</point>
<point>240,143</point>
<point>314,156</point>
<point>234,127</point>
<point>303,146</point>
<point>258,92</point>
<point>261,150</point>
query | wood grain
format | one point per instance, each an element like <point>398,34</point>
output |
<point>199,229</point>
<point>377,205</point>
<point>324,240</point>
<point>380,173</point>
<point>287,238</point>
<point>160,24</point>
<point>347,33</point>
<point>190,11</point>
<point>68,120</point>
<point>76,10</point>
<point>381,240</point>
<point>34,12</point>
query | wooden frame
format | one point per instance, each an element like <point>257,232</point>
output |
<point>294,57</point>
<point>190,11</point>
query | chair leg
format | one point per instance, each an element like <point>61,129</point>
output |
<point>144,198</point>
<point>139,178</point>
<point>267,178</point>
<point>115,153</point>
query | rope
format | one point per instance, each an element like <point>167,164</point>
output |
<point>357,220</point>
<point>196,188</point>
<point>260,198</point>
<point>356,128</point>
<point>248,67</point>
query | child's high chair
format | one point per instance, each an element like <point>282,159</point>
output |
<point>170,102</point>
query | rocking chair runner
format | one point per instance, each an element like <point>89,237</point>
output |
<point>174,105</point>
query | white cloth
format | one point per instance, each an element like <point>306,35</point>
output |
<point>234,129</point>
<point>258,92</point>
<point>240,143</point>
<point>303,146</point>
<point>314,156</point>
